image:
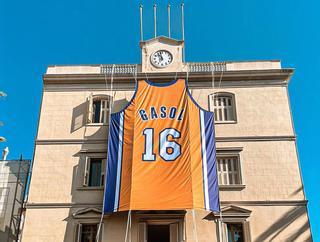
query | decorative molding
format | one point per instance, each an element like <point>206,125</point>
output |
<point>207,66</point>
<point>267,203</point>
<point>118,69</point>
<point>222,150</point>
<point>232,187</point>
<point>197,79</point>
<point>232,213</point>
<point>91,188</point>
<point>218,139</point>
<point>87,213</point>
<point>61,205</point>
<point>236,209</point>
<point>223,203</point>
<point>69,141</point>
<point>129,86</point>
<point>256,138</point>
<point>87,151</point>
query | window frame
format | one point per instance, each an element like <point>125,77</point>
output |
<point>79,226</point>
<point>4,197</point>
<point>231,152</point>
<point>86,172</point>
<point>176,222</point>
<point>233,214</point>
<point>246,231</point>
<point>229,171</point>
<point>91,112</point>
<point>212,108</point>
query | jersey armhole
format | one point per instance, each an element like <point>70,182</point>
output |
<point>194,101</point>
<point>132,98</point>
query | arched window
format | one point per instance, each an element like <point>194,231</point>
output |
<point>223,105</point>
<point>99,109</point>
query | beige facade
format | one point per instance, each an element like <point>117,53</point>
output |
<point>13,179</point>
<point>267,201</point>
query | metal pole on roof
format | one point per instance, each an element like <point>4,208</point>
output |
<point>155,19</point>
<point>169,30</point>
<point>141,22</point>
<point>182,20</point>
<point>182,27</point>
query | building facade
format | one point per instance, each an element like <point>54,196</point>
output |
<point>13,182</point>
<point>261,191</point>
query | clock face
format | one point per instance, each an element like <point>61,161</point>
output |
<point>161,58</point>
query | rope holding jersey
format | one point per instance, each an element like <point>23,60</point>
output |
<point>111,107</point>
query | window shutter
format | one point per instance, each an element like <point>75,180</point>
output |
<point>211,102</point>
<point>103,172</point>
<point>86,172</point>
<point>104,112</point>
<point>223,232</point>
<point>142,233</point>
<point>174,232</point>
<point>246,231</point>
<point>90,108</point>
<point>79,231</point>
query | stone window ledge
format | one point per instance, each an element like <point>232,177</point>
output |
<point>97,124</point>
<point>90,188</point>
<point>232,187</point>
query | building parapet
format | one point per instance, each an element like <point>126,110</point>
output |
<point>192,67</point>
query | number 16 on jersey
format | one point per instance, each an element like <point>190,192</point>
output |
<point>169,150</point>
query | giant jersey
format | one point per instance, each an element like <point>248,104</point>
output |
<point>161,152</point>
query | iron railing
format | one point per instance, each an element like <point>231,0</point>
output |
<point>118,69</point>
<point>193,67</point>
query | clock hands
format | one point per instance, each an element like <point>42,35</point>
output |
<point>161,58</point>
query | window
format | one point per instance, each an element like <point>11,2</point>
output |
<point>94,172</point>
<point>99,109</point>
<point>158,233</point>
<point>4,195</point>
<point>235,232</point>
<point>229,170</point>
<point>87,232</point>
<point>164,227</point>
<point>235,225</point>
<point>223,105</point>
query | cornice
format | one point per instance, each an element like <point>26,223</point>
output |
<point>198,79</point>
<point>218,139</point>
<point>267,203</point>
<point>223,203</point>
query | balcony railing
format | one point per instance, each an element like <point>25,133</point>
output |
<point>206,66</point>
<point>192,66</point>
<point>118,69</point>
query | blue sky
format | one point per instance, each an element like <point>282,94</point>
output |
<point>35,33</point>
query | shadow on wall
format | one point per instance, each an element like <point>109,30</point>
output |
<point>118,105</point>
<point>4,234</point>
<point>296,192</point>
<point>70,228</point>
<point>80,113</point>
<point>79,116</point>
<point>84,198</point>
<point>282,223</point>
<point>13,180</point>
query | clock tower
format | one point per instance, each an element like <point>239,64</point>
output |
<point>162,54</point>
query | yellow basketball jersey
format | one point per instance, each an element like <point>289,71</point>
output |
<point>161,152</point>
